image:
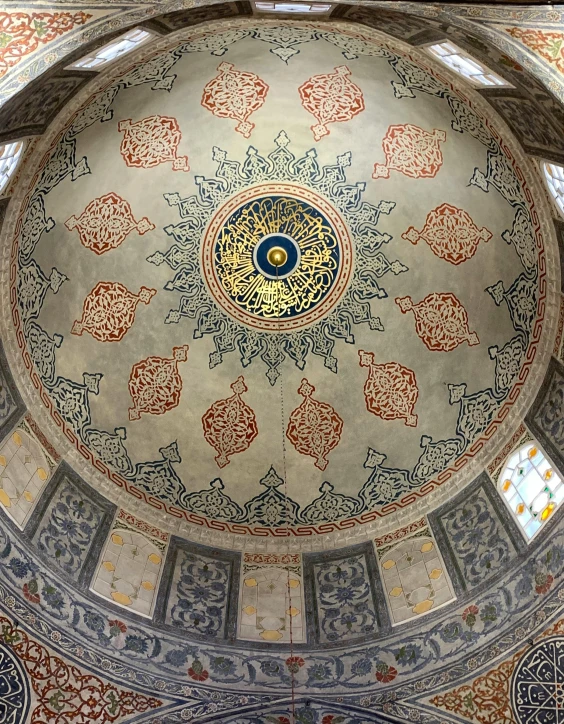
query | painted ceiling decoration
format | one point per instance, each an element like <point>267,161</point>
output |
<point>281,369</point>
<point>350,291</point>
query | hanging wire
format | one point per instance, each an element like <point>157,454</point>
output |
<point>285,478</point>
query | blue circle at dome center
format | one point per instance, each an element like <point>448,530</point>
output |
<point>282,241</point>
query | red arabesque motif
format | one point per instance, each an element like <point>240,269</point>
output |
<point>451,234</point>
<point>549,45</point>
<point>66,693</point>
<point>314,428</point>
<point>411,151</point>
<point>155,385</point>
<point>235,94</point>
<point>390,390</point>
<point>105,223</point>
<point>440,321</point>
<point>109,311</point>
<point>21,33</point>
<point>230,425</point>
<point>331,98</point>
<point>151,141</point>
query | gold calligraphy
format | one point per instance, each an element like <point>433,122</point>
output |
<point>301,290</point>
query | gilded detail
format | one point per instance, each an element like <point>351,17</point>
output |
<point>281,220</point>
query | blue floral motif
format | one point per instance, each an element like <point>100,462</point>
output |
<point>67,528</point>
<point>344,599</point>
<point>200,594</point>
<point>479,542</point>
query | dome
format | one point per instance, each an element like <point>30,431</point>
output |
<point>282,378</point>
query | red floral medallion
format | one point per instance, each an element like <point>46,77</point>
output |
<point>109,311</point>
<point>440,321</point>
<point>235,94</point>
<point>151,141</point>
<point>314,427</point>
<point>451,234</point>
<point>331,98</point>
<point>411,151</point>
<point>230,425</point>
<point>105,223</point>
<point>155,385</point>
<point>390,390</point>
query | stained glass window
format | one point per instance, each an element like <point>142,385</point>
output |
<point>531,486</point>
<point>554,176</point>
<point>118,47</point>
<point>10,154</point>
<point>464,64</point>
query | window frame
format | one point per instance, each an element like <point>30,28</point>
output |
<point>150,35</point>
<point>465,55</point>
<point>11,170</point>
<point>510,506</point>
<point>543,163</point>
<point>274,11</point>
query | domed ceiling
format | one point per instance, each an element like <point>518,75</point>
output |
<point>278,302</point>
<point>365,374</point>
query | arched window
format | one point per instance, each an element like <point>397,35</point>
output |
<point>531,487</point>
<point>10,154</point>
<point>554,176</point>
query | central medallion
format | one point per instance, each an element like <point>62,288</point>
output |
<point>277,256</point>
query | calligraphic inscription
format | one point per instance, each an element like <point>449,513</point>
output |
<point>317,253</point>
<point>537,685</point>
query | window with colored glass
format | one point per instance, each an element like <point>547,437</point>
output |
<point>531,487</point>
<point>465,65</point>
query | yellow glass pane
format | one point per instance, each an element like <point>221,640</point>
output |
<point>388,564</point>
<point>250,582</point>
<point>42,473</point>
<point>520,509</point>
<point>154,558</point>
<point>396,591</point>
<point>506,485</point>
<point>5,499</point>
<point>426,547</point>
<point>270,635</point>
<point>117,539</point>
<point>532,452</point>
<point>547,512</point>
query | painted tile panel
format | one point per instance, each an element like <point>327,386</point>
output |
<point>198,602</point>
<point>345,604</point>
<point>478,533</point>
<point>68,527</point>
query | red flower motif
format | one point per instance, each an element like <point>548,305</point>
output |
<point>327,719</point>
<point>30,591</point>
<point>197,671</point>
<point>469,615</point>
<point>385,673</point>
<point>283,720</point>
<point>117,625</point>
<point>544,581</point>
<point>294,664</point>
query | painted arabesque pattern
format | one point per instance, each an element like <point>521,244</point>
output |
<point>478,411</point>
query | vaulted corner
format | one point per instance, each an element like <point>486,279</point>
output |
<point>281,363</point>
